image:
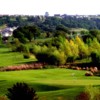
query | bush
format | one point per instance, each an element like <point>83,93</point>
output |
<point>95,56</point>
<point>42,57</point>
<point>90,93</point>
<point>70,59</point>
<point>23,67</point>
<point>97,73</point>
<point>26,55</point>
<point>93,92</point>
<point>23,48</point>
<point>52,57</point>
<point>88,74</point>
<point>83,96</point>
<point>57,57</point>
<point>21,91</point>
<point>97,97</point>
<point>35,49</point>
<point>3,98</point>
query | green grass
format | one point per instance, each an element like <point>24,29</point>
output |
<point>50,84</point>
<point>11,58</point>
<point>78,29</point>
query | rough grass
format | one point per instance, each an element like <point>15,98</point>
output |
<point>50,84</point>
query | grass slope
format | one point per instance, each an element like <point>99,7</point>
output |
<point>50,84</point>
<point>11,58</point>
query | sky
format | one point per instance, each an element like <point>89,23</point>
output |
<point>39,7</point>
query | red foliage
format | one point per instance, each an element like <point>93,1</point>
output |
<point>23,67</point>
<point>83,96</point>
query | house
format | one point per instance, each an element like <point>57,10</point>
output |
<point>7,32</point>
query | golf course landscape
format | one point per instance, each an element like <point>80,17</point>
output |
<point>50,84</point>
<point>49,58</point>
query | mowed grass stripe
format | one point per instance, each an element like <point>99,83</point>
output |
<point>47,79</point>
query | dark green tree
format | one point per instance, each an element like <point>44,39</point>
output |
<point>26,33</point>
<point>95,33</point>
<point>21,91</point>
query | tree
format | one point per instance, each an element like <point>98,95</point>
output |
<point>95,33</point>
<point>74,49</point>
<point>26,33</point>
<point>57,58</point>
<point>0,39</point>
<point>95,57</point>
<point>94,46</point>
<point>19,34</point>
<point>83,48</point>
<point>62,28</point>
<point>32,32</point>
<point>21,91</point>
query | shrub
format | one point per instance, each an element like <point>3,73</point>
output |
<point>14,44</point>
<point>23,67</point>
<point>95,56</point>
<point>3,98</point>
<point>90,93</point>
<point>97,97</point>
<point>21,91</point>
<point>26,55</point>
<point>70,59</point>
<point>97,73</point>
<point>53,59</point>
<point>23,48</point>
<point>42,57</point>
<point>88,74</point>
<point>35,49</point>
<point>57,58</point>
<point>93,92</point>
<point>83,96</point>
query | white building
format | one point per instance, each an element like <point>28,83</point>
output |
<point>7,32</point>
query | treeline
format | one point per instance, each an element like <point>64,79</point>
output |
<point>59,49</point>
<point>51,22</point>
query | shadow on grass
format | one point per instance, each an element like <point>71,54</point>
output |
<point>27,62</point>
<point>2,81</point>
<point>45,87</point>
<point>6,51</point>
<point>68,93</point>
<point>46,91</point>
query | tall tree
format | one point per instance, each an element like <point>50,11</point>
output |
<point>83,48</point>
<point>27,32</point>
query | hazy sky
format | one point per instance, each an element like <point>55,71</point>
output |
<point>39,7</point>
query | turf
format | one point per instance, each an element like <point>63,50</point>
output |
<point>50,84</point>
<point>12,58</point>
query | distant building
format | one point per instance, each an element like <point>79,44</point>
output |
<point>7,32</point>
<point>64,15</point>
<point>58,16</point>
<point>46,14</point>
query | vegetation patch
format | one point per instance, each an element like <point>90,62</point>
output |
<point>50,83</point>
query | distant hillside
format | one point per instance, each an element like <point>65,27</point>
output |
<point>51,22</point>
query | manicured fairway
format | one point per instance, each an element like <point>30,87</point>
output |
<point>50,84</point>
